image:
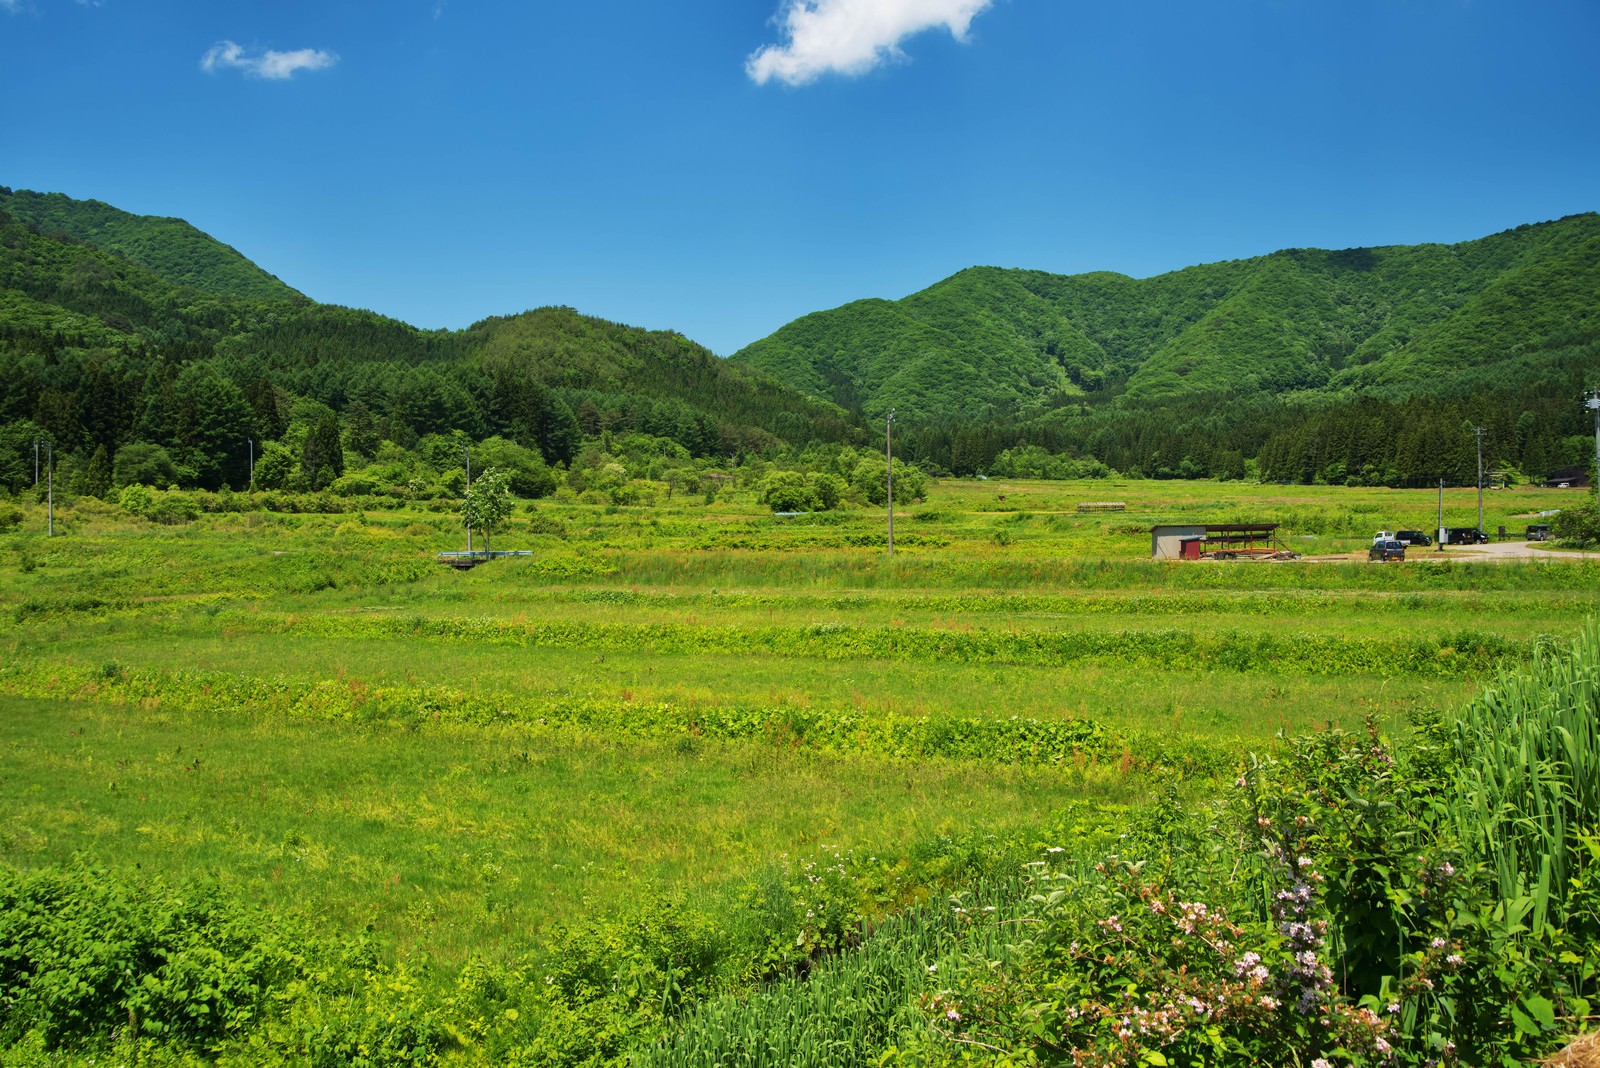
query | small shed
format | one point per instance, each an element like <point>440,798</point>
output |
<point>1223,540</point>
<point>1166,542</point>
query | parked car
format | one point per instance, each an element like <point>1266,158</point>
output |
<point>1465,536</point>
<point>1412,537</point>
<point>1387,550</point>
<point>1538,531</point>
<point>1383,535</point>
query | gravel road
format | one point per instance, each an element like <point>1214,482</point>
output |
<point>1494,552</point>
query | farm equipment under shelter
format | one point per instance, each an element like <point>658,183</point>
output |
<point>1218,541</point>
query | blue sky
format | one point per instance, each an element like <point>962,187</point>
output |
<point>720,168</point>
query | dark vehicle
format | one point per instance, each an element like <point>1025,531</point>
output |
<point>1465,536</point>
<point>1387,550</point>
<point>1539,532</point>
<point>1412,537</point>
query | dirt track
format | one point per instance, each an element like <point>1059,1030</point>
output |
<point>1494,552</point>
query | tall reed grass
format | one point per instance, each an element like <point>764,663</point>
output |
<point>1528,783</point>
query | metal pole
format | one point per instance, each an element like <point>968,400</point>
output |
<point>36,462</point>
<point>888,459</point>
<point>1439,533</point>
<point>1478,431</point>
<point>468,451</point>
<point>1594,404</point>
<point>50,488</point>
<point>252,443</point>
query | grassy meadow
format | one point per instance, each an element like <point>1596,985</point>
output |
<point>672,700</point>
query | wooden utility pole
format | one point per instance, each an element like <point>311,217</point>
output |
<point>888,457</point>
<point>1478,430</point>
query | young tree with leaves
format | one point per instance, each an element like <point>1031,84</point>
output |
<point>488,504</point>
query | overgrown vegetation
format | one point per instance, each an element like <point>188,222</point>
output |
<point>1355,901</point>
<point>712,779</point>
<point>281,788</point>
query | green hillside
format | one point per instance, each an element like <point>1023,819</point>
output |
<point>1363,366</point>
<point>118,330</point>
<point>169,248</point>
<point>1385,322</point>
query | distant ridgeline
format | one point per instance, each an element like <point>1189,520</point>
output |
<point>1362,364</point>
<point>144,350</point>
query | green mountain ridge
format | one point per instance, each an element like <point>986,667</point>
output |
<point>1360,365</point>
<point>118,329</point>
<point>170,248</point>
<point>1386,322</point>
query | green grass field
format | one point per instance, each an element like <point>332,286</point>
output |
<point>313,712</point>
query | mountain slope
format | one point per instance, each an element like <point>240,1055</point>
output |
<point>116,329</point>
<point>1388,322</point>
<point>171,249</point>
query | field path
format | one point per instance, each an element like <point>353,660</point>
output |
<point>1500,551</point>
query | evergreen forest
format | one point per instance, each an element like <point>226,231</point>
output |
<point>1360,366</point>
<point>139,350</point>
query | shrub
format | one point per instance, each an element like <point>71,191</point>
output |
<point>1355,903</point>
<point>1577,528</point>
<point>143,463</point>
<point>788,491</point>
<point>83,951</point>
<point>135,500</point>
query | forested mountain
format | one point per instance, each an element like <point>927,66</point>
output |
<point>118,330</point>
<point>1199,370</point>
<point>142,349</point>
<point>168,248</point>
<point>1386,322</point>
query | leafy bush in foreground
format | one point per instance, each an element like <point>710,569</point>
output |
<point>1356,904</point>
<point>95,962</point>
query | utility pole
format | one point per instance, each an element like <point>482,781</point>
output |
<point>467,449</point>
<point>1593,403</point>
<point>35,461</point>
<point>888,459</point>
<point>1439,540</point>
<point>252,443</point>
<point>50,489</point>
<point>1478,431</point>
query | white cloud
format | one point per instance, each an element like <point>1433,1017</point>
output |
<point>851,36</point>
<point>11,7</point>
<point>225,55</point>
